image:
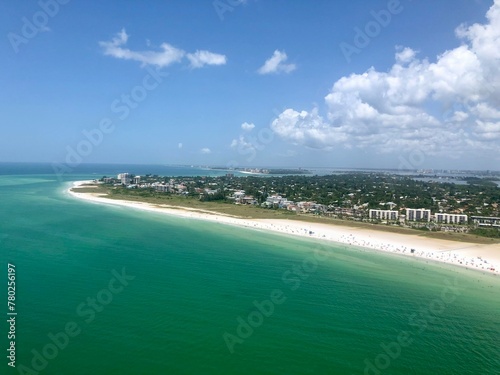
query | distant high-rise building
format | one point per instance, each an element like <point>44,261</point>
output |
<point>125,178</point>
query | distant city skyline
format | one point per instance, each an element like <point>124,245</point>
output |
<point>395,84</point>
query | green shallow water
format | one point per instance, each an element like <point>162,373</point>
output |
<point>193,280</point>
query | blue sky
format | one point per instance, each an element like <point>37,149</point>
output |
<point>252,83</point>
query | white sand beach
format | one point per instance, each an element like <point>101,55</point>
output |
<point>469,255</point>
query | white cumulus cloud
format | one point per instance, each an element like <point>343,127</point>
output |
<point>206,150</point>
<point>277,64</point>
<point>241,143</point>
<point>245,147</point>
<point>247,126</point>
<point>166,56</point>
<point>447,107</point>
<point>202,58</point>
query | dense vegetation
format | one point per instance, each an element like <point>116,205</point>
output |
<point>342,196</point>
<point>486,232</point>
<point>349,190</point>
<point>374,190</point>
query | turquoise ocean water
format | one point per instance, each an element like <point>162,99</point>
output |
<point>111,290</point>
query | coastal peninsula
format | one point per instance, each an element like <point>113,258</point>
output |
<point>469,252</point>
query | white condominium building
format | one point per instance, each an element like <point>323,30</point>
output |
<point>450,218</point>
<point>486,221</point>
<point>418,214</point>
<point>383,215</point>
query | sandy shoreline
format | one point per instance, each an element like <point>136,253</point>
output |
<point>472,256</point>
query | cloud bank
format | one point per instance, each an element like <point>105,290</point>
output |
<point>447,107</point>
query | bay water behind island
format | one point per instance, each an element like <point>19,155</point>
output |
<point>191,297</point>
